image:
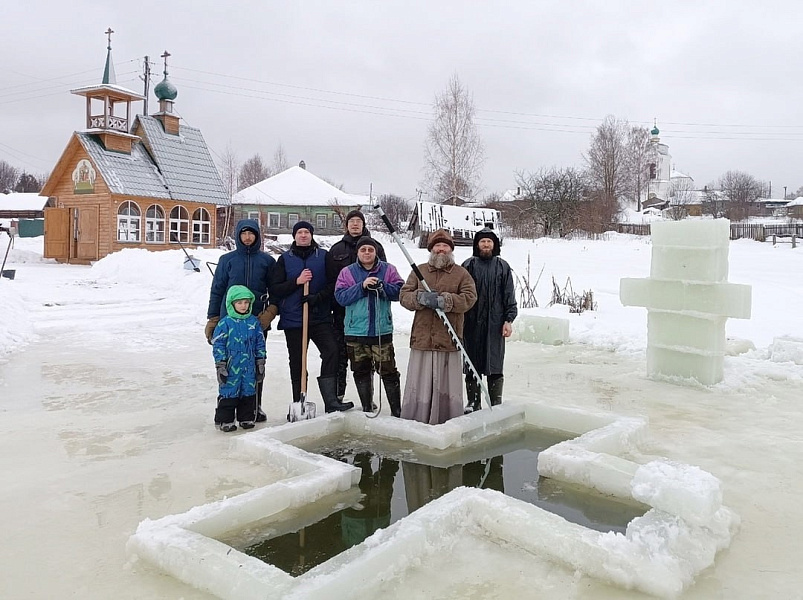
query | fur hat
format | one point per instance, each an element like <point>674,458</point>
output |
<point>302,225</point>
<point>441,235</point>
<point>367,240</point>
<point>355,213</point>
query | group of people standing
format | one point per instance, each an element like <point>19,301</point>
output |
<point>348,292</point>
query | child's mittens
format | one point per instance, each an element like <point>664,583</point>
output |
<point>260,369</point>
<point>222,372</point>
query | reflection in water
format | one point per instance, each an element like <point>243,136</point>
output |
<point>376,483</point>
<point>390,493</point>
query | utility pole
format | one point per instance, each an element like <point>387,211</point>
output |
<point>147,79</point>
<point>784,192</point>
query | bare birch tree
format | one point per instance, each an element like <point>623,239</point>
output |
<point>8,176</point>
<point>229,168</point>
<point>279,161</point>
<point>454,151</point>
<point>741,190</point>
<point>681,195</point>
<point>253,171</point>
<point>639,155</point>
<point>607,165</point>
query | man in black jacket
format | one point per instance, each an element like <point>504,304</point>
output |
<point>341,255</point>
<point>490,320</point>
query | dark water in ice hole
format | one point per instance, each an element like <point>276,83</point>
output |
<point>397,480</point>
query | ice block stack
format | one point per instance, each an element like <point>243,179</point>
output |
<point>688,299</point>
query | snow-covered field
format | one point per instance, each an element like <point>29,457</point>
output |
<point>107,394</point>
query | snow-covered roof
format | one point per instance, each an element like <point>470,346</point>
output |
<point>675,174</point>
<point>296,187</point>
<point>796,202</point>
<point>511,195</point>
<point>18,201</point>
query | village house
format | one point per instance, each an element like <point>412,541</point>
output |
<point>24,212</point>
<point>120,183</point>
<point>293,195</point>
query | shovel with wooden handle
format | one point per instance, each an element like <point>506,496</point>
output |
<point>303,409</point>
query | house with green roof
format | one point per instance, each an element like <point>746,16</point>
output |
<point>147,182</point>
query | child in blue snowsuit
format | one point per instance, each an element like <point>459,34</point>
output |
<point>238,348</point>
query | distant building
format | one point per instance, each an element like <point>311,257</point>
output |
<point>147,182</point>
<point>294,195</point>
<point>24,212</point>
<point>462,222</point>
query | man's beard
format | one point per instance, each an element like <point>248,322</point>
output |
<point>441,260</point>
<point>486,253</point>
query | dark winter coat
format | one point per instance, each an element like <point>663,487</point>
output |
<point>496,305</point>
<point>288,293</point>
<point>343,254</point>
<point>238,341</point>
<point>245,265</point>
<point>455,284</point>
<point>362,305</point>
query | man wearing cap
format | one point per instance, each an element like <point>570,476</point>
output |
<point>341,255</point>
<point>490,320</point>
<point>246,265</point>
<point>433,392</point>
<point>366,290</point>
<point>305,262</point>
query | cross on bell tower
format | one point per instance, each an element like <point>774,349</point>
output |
<point>166,92</point>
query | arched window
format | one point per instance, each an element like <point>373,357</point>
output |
<point>179,225</point>
<point>155,224</point>
<point>128,222</point>
<point>201,226</point>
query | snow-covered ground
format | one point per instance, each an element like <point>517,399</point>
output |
<point>107,393</point>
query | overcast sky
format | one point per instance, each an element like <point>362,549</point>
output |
<point>349,86</point>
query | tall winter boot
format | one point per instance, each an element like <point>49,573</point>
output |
<point>495,389</point>
<point>392,385</point>
<point>328,387</point>
<point>474,396</point>
<point>365,390</point>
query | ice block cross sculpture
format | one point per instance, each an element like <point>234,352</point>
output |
<point>688,299</point>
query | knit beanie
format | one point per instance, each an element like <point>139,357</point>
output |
<point>367,240</point>
<point>302,225</point>
<point>441,235</point>
<point>355,213</point>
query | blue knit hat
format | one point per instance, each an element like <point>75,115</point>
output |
<point>302,225</point>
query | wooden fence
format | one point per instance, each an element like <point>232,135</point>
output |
<point>754,231</point>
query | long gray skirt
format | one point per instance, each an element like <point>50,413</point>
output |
<point>434,390</point>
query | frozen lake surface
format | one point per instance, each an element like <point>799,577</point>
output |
<point>107,393</point>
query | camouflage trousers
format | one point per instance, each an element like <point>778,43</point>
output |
<point>366,358</point>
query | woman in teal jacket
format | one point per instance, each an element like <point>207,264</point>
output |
<point>366,288</point>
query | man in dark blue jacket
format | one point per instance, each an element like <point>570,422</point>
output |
<point>246,265</point>
<point>306,262</point>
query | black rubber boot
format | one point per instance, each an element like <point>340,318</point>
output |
<point>365,390</point>
<point>392,385</point>
<point>328,387</point>
<point>474,396</point>
<point>261,416</point>
<point>495,390</point>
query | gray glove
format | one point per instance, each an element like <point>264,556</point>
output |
<point>222,372</point>
<point>260,369</point>
<point>431,300</point>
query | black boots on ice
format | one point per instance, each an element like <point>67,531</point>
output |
<point>328,388</point>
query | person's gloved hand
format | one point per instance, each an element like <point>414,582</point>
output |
<point>311,299</point>
<point>431,300</point>
<point>375,287</point>
<point>260,369</point>
<point>266,316</point>
<point>210,328</point>
<point>222,372</point>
